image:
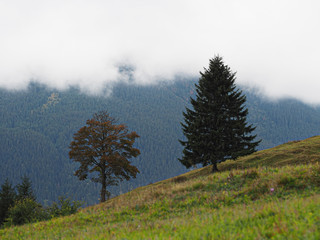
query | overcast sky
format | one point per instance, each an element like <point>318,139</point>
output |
<point>271,44</point>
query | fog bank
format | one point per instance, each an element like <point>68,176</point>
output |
<point>272,45</point>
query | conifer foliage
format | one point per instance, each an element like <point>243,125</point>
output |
<point>25,189</point>
<point>216,127</point>
<point>103,149</point>
<point>7,198</point>
<point>20,207</point>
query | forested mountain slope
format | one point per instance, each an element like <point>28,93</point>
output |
<point>37,126</point>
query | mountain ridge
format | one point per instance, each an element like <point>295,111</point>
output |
<point>154,112</point>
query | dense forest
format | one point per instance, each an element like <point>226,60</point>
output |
<point>37,126</point>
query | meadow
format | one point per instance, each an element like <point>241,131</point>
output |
<point>271,194</point>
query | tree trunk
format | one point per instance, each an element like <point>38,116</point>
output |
<point>214,168</point>
<point>103,188</point>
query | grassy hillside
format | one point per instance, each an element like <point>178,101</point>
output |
<point>273,193</point>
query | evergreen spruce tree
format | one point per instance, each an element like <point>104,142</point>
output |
<point>216,127</point>
<point>25,189</point>
<point>7,199</point>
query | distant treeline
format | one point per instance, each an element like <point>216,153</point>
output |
<point>18,205</point>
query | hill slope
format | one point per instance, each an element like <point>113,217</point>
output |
<point>272,193</point>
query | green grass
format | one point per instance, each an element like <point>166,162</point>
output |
<point>261,196</point>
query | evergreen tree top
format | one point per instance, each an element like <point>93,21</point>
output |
<point>24,189</point>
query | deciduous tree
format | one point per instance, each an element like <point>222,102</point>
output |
<point>104,149</point>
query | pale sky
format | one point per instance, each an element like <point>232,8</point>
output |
<point>273,45</point>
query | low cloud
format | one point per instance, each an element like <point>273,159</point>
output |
<point>272,45</point>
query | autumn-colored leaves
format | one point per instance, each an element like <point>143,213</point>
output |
<point>104,149</point>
